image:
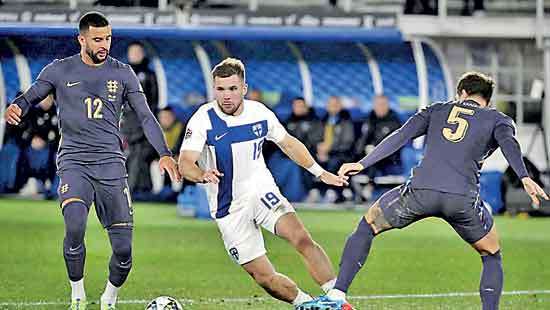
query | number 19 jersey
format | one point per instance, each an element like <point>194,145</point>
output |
<point>233,145</point>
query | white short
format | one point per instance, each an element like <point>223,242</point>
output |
<point>241,231</point>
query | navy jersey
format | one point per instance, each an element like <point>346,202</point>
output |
<point>459,137</point>
<point>90,101</point>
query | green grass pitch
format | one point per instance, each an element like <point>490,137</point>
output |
<point>185,258</point>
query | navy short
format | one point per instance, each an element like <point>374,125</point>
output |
<point>111,197</point>
<point>468,216</point>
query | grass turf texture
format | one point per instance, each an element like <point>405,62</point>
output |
<point>185,258</point>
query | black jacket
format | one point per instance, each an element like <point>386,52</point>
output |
<point>131,127</point>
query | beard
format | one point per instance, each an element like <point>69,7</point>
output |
<point>94,56</point>
<point>232,110</point>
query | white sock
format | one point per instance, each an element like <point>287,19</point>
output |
<point>301,298</point>
<point>328,286</point>
<point>336,294</point>
<point>110,294</point>
<point>77,290</point>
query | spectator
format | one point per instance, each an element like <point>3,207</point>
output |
<point>428,7</point>
<point>255,95</point>
<point>34,143</point>
<point>338,140</point>
<point>306,127</point>
<point>478,9</point>
<point>380,122</point>
<point>173,132</point>
<point>140,152</point>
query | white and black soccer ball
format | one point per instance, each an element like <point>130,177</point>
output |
<point>164,303</point>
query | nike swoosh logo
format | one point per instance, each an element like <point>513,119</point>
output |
<point>220,136</point>
<point>72,250</point>
<point>69,84</point>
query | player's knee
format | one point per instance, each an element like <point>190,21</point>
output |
<point>302,241</point>
<point>375,217</point>
<point>75,214</point>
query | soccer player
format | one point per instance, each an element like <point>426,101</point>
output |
<point>226,136</point>
<point>460,135</point>
<point>90,89</point>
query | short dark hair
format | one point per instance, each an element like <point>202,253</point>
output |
<point>93,19</point>
<point>476,83</point>
<point>229,67</point>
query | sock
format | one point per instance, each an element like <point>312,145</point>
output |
<point>355,254</point>
<point>77,290</point>
<point>110,294</point>
<point>492,278</point>
<point>336,294</point>
<point>328,286</point>
<point>301,298</point>
<point>75,215</point>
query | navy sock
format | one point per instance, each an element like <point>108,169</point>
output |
<point>492,278</point>
<point>74,250</point>
<point>121,260</point>
<point>355,254</point>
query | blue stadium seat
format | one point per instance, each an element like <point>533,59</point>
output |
<point>328,63</point>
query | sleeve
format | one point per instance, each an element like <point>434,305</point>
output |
<point>39,90</point>
<point>275,130</point>
<point>415,126</point>
<point>195,134</point>
<point>136,99</point>
<point>504,134</point>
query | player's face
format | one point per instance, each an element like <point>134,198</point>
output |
<point>96,42</point>
<point>229,93</point>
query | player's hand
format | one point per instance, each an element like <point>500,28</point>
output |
<point>350,169</point>
<point>168,164</point>
<point>211,176</point>
<point>13,114</point>
<point>533,190</point>
<point>332,179</point>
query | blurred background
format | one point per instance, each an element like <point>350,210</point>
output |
<point>340,74</point>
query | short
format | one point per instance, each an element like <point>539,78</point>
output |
<point>111,197</point>
<point>468,216</point>
<point>241,231</point>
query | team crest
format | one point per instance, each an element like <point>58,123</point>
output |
<point>257,130</point>
<point>112,88</point>
<point>64,188</point>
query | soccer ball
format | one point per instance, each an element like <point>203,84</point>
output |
<point>164,303</point>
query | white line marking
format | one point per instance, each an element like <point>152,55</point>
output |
<point>248,300</point>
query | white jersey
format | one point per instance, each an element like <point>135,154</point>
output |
<point>233,145</point>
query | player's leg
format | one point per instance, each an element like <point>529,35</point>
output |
<point>474,223</point>
<point>492,275</point>
<point>114,210</point>
<point>75,195</point>
<point>244,243</point>
<point>397,208</point>
<point>290,228</point>
<point>276,284</point>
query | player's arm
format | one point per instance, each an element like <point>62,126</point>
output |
<point>298,152</point>
<point>189,169</point>
<point>38,91</point>
<point>415,126</point>
<point>153,132</point>
<point>504,134</point>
